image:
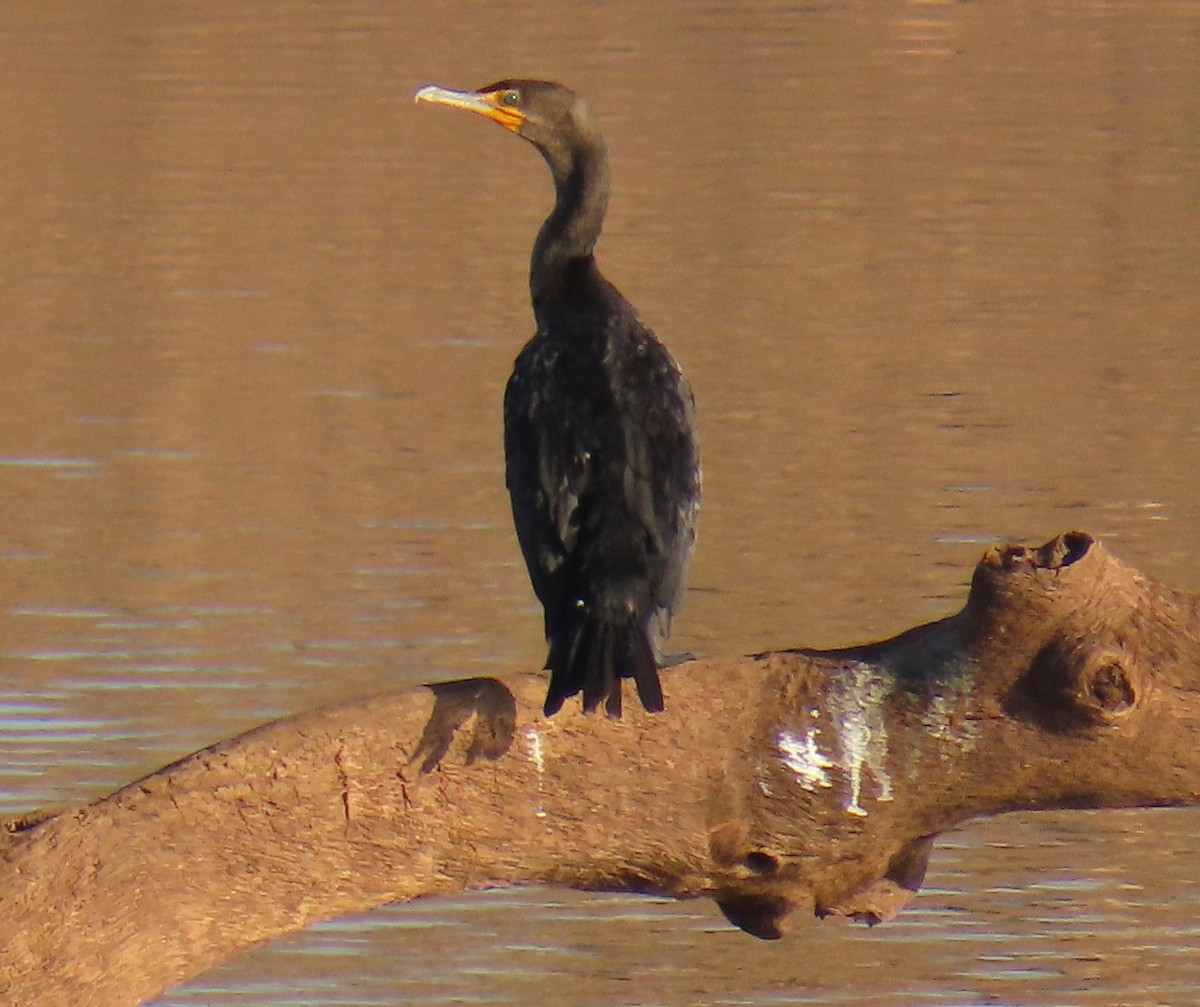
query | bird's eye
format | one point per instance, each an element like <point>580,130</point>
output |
<point>511,97</point>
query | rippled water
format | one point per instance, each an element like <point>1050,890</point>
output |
<point>932,269</point>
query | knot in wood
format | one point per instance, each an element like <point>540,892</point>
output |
<point>1106,686</point>
<point>1019,583</point>
<point>1062,551</point>
<point>1073,686</point>
<point>761,864</point>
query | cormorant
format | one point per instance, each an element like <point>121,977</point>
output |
<point>599,427</point>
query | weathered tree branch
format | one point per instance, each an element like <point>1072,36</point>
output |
<point>774,782</point>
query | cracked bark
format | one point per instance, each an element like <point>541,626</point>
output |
<point>796,779</point>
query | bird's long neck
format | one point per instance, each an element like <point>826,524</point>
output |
<point>568,236</point>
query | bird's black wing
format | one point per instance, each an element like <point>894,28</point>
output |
<point>547,472</point>
<point>662,479</point>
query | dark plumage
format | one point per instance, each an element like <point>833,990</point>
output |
<point>599,427</point>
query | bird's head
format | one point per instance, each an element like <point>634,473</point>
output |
<point>546,114</point>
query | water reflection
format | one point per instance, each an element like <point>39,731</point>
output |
<point>1040,933</point>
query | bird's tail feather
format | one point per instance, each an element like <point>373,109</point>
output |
<point>592,656</point>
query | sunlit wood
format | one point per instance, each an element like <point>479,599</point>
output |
<point>790,780</point>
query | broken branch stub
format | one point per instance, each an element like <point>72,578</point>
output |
<point>786,780</point>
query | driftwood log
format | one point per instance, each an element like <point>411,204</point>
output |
<point>781,781</point>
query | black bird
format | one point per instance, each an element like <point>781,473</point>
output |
<point>599,427</point>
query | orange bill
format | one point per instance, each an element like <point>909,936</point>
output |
<point>485,103</point>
